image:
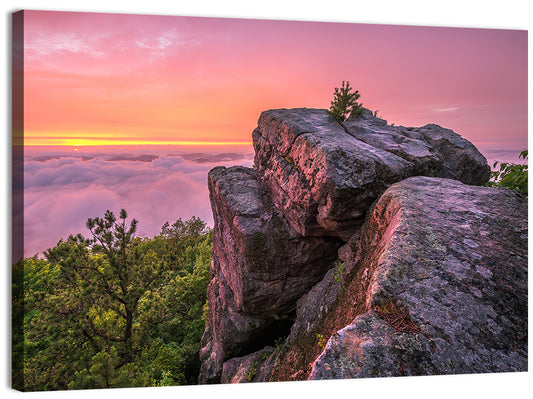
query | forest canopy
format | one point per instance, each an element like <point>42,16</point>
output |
<point>113,309</point>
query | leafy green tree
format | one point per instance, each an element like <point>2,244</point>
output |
<point>194,227</point>
<point>176,316</point>
<point>110,271</point>
<point>510,175</point>
<point>345,103</point>
<point>112,310</point>
<point>17,325</point>
<point>180,237</point>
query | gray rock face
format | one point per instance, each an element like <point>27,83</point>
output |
<point>246,368</point>
<point>312,307</point>
<point>323,176</point>
<point>229,333</point>
<point>260,267</point>
<point>266,264</point>
<point>448,290</point>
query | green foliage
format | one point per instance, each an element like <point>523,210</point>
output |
<point>289,160</point>
<point>252,371</point>
<point>510,175</point>
<point>345,103</point>
<point>192,228</point>
<point>338,276</point>
<point>113,310</point>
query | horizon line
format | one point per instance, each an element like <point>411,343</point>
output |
<point>103,143</point>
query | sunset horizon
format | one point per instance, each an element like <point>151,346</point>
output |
<point>114,78</point>
<point>103,142</point>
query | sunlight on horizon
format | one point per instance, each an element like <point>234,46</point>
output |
<point>103,142</point>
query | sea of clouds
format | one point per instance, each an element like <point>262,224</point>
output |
<point>63,188</point>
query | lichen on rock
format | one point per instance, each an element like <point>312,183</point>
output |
<point>446,268</point>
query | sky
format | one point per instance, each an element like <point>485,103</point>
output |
<point>173,85</point>
<point>96,78</point>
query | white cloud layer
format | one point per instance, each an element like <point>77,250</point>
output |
<point>63,190</point>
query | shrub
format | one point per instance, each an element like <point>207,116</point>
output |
<point>510,175</point>
<point>397,316</point>
<point>345,103</point>
<point>252,372</point>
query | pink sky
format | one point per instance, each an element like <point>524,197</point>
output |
<point>95,78</point>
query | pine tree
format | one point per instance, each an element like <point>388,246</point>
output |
<point>345,102</point>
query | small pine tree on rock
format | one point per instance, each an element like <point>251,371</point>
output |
<point>345,103</point>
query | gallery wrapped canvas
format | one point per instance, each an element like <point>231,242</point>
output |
<point>202,200</point>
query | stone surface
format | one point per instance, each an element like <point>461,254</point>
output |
<point>323,176</point>
<point>319,300</point>
<point>434,150</point>
<point>229,333</point>
<point>362,249</point>
<point>246,368</point>
<point>266,264</point>
<point>448,291</point>
<point>260,268</point>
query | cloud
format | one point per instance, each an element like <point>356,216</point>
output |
<point>162,41</point>
<point>59,43</point>
<point>449,109</point>
<point>61,190</point>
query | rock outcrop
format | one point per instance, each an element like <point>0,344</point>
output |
<point>332,260</point>
<point>323,176</point>
<point>447,285</point>
<point>261,267</point>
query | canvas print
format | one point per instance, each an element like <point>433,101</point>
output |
<point>220,200</point>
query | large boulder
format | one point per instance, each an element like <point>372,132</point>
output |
<point>260,267</point>
<point>323,176</point>
<point>436,151</point>
<point>265,262</point>
<point>230,333</point>
<point>447,285</point>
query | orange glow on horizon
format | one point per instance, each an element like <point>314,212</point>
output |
<point>38,141</point>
